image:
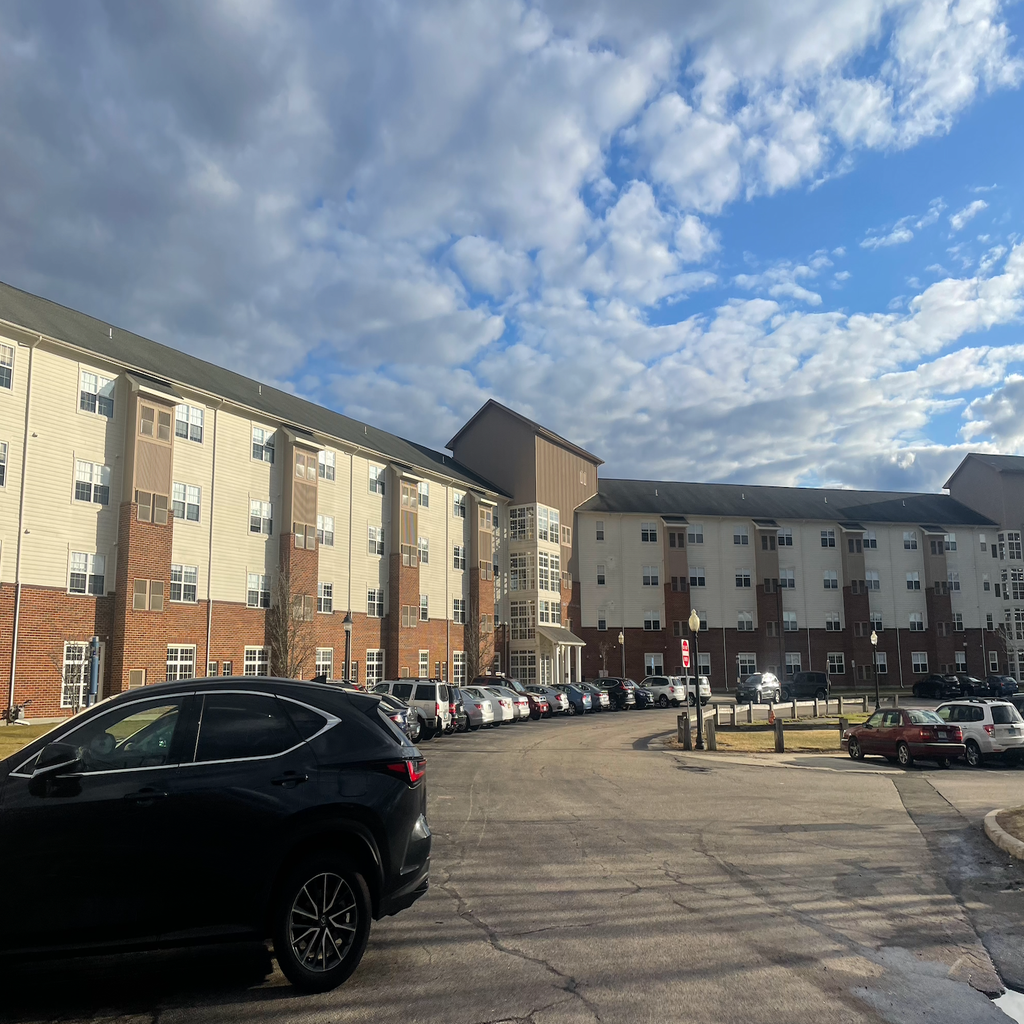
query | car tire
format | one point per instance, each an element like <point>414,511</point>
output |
<point>427,734</point>
<point>973,755</point>
<point>945,762</point>
<point>786,695</point>
<point>309,891</point>
<point>691,699</point>
<point>473,728</point>
<point>571,709</point>
<point>663,701</point>
<point>854,750</point>
<point>916,690</point>
<point>820,694</point>
<point>416,731</point>
<point>903,755</point>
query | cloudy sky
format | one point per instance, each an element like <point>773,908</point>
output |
<point>706,239</point>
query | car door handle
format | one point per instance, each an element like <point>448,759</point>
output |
<point>290,780</point>
<point>145,797</point>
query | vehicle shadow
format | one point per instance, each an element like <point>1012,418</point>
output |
<point>136,983</point>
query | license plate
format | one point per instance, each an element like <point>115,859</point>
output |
<point>942,734</point>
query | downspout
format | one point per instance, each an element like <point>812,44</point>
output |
<point>209,557</point>
<point>899,655</point>
<point>21,523</point>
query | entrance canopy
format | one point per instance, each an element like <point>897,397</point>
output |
<point>561,635</point>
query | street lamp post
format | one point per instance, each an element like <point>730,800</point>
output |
<point>874,666</point>
<point>347,623</point>
<point>694,624</point>
<point>622,644</point>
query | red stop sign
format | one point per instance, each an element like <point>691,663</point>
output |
<point>686,652</point>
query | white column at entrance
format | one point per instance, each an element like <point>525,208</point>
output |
<point>555,678</point>
<point>579,664</point>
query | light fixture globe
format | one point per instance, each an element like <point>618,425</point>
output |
<point>694,621</point>
<point>874,639</point>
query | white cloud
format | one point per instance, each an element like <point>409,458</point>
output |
<point>899,234</point>
<point>969,212</point>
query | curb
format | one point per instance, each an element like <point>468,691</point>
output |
<point>1002,838</point>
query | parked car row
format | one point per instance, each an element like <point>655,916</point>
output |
<point>960,684</point>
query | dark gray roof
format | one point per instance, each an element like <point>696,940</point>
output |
<point>1000,463</point>
<point>742,501</point>
<point>55,321</point>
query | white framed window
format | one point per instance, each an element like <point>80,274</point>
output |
<point>325,530</point>
<point>375,603</point>
<point>913,581</point>
<point>542,523</point>
<point>86,574</point>
<point>989,622</point>
<point>833,623</point>
<point>743,578</point>
<point>703,664</point>
<point>916,622</point>
<point>836,663</point>
<point>993,661</point>
<point>423,669</point>
<point>325,662</point>
<point>695,533</point>
<point>376,479</point>
<point>793,663</point>
<point>257,590</point>
<point>870,540</point>
<point>424,608</point>
<point>375,540</point>
<point>740,536</point>
<point>459,668</point>
<point>75,677</point>
<point>919,661</point>
<point>830,579</point>
<point>186,501</point>
<point>787,579</point>
<point>601,576</point>
<point>7,368</point>
<point>459,556</point>
<point>555,580</point>
<point>652,620</point>
<point>325,598</point>
<point>789,624</point>
<point>746,664</point>
<point>184,583</point>
<point>960,660</point>
<point>872,581</point>
<point>459,505</point>
<point>521,571</point>
<point>882,663</point>
<point>654,664</point>
<point>256,661</point>
<point>181,662</point>
<point>374,667</point>
<point>909,540</point>
<point>958,622</point>
<point>263,444</point>
<point>650,576</point>
<point>459,610</point>
<point>424,547</point>
<point>602,621</point>
<point>92,481</point>
<point>3,463</point>
<point>543,572</point>
<point>828,538</point>
<point>1013,544</point>
<point>876,621</point>
<point>649,533</point>
<point>325,461</point>
<point>261,517</point>
<point>548,612</point>
<point>522,620</point>
<point>786,537</point>
<point>986,583</point>
<point>423,493</point>
<point>599,529</point>
<point>953,579</point>
<point>745,622</point>
<point>950,543</point>
<point>188,423</point>
<point>520,523</point>
<point>96,394</point>
<point>697,576</point>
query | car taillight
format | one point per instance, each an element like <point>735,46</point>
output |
<point>410,771</point>
<point>957,734</point>
<point>990,729</point>
<point>437,710</point>
<point>479,707</point>
<point>451,710</point>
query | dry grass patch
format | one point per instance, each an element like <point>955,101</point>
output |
<point>14,737</point>
<point>1012,821</point>
<point>762,741</point>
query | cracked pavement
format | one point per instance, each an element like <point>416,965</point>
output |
<point>583,874</point>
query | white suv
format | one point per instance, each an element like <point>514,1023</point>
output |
<point>429,698</point>
<point>990,728</point>
<point>666,689</point>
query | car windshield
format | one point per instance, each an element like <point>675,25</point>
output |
<point>924,718</point>
<point>1004,714</point>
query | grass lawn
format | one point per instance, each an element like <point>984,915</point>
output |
<point>797,741</point>
<point>14,737</point>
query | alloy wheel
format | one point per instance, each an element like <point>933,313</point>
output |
<point>973,754</point>
<point>904,756</point>
<point>663,701</point>
<point>322,922</point>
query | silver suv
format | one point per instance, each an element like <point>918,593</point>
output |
<point>430,699</point>
<point>991,728</point>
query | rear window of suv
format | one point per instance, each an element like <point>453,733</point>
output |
<point>1004,714</point>
<point>425,691</point>
<point>403,691</point>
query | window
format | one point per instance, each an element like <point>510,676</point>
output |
<point>697,577</point>
<point>600,576</point>
<point>1013,545</point>
<point>188,423</point>
<point>234,726</point>
<point>599,530</point>
<point>424,608</point>
<point>261,517</point>
<point>746,664</point>
<point>3,464</point>
<point>567,536</point>
<point>953,578</point>
<point>262,444</point>
<point>652,620</point>
<point>909,540</point>
<point>459,556</point>
<point>523,626</point>
<point>913,581</point>
<point>256,661</point>
<point>185,502</point>
<point>521,572</point>
<point>520,523</point>
<point>993,661</point>
<point>602,622</point>
<point>258,590</point>
<point>833,623</point>
<point>523,665</point>
<point>828,538</point>
<point>876,621</point>
<point>789,622</point>
<point>919,661</point>
<point>650,576</point>
<point>648,533</point>
<point>958,622</point>
<point>548,611</point>
<point>184,580</point>
<point>916,622</point>
<point>325,598</point>
<point>151,507</point>
<point>374,667</point>
<point>92,481</point>
<point>767,543</point>
<point>148,595</point>
<point>986,584</point>
<point>76,675</point>
<point>793,663</point>
<point>745,622</point>
<point>831,579</point>
<point>989,622</point>
<point>325,662</point>
<point>86,575</point>
<point>410,616</point>
<point>181,663</point>
<point>6,366</point>
<point>872,580</point>
<point>424,550</point>
<point>743,578</point>
<point>459,610</point>
<point>325,465</point>
<point>459,505</point>
<point>375,603</point>
<point>375,540</point>
<point>695,533</point>
<point>96,394</point>
<point>543,573</point>
<point>787,579</point>
<point>739,535</point>
<point>836,664</point>
<point>325,530</point>
<point>854,545</point>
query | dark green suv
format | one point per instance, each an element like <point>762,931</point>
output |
<point>807,686</point>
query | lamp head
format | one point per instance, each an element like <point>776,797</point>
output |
<point>874,638</point>
<point>622,638</point>
<point>347,622</point>
<point>694,622</point>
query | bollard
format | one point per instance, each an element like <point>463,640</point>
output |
<point>684,731</point>
<point>864,700</point>
<point>840,704</point>
<point>895,700</point>
<point>817,710</point>
<point>709,736</point>
<point>718,714</point>
<point>844,724</point>
<point>750,712</point>
<point>795,711</point>
<point>780,743</point>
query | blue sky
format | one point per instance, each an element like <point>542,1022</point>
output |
<point>714,240</point>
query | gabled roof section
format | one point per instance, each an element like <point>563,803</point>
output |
<point>1000,463</point>
<point>540,431</point>
<point>746,501</point>
<point>171,367</point>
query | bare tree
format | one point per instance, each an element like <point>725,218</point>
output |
<point>602,648</point>
<point>471,644</point>
<point>290,634</point>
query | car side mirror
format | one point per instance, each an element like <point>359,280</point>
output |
<point>56,759</point>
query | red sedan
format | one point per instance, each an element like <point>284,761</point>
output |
<point>903,735</point>
<point>539,707</point>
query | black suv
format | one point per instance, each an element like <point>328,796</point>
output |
<point>807,686</point>
<point>938,687</point>
<point>1001,686</point>
<point>215,808</point>
<point>621,692</point>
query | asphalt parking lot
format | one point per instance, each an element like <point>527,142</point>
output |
<point>582,872</point>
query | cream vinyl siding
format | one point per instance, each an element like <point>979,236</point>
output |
<point>193,464</point>
<point>239,478</point>
<point>591,553</point>
<point>54,522</point>
<point>369,571</point>
<point>433,575</point>
<point>332,500</point>
<point>12,430</point>
<point>815,561</point>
